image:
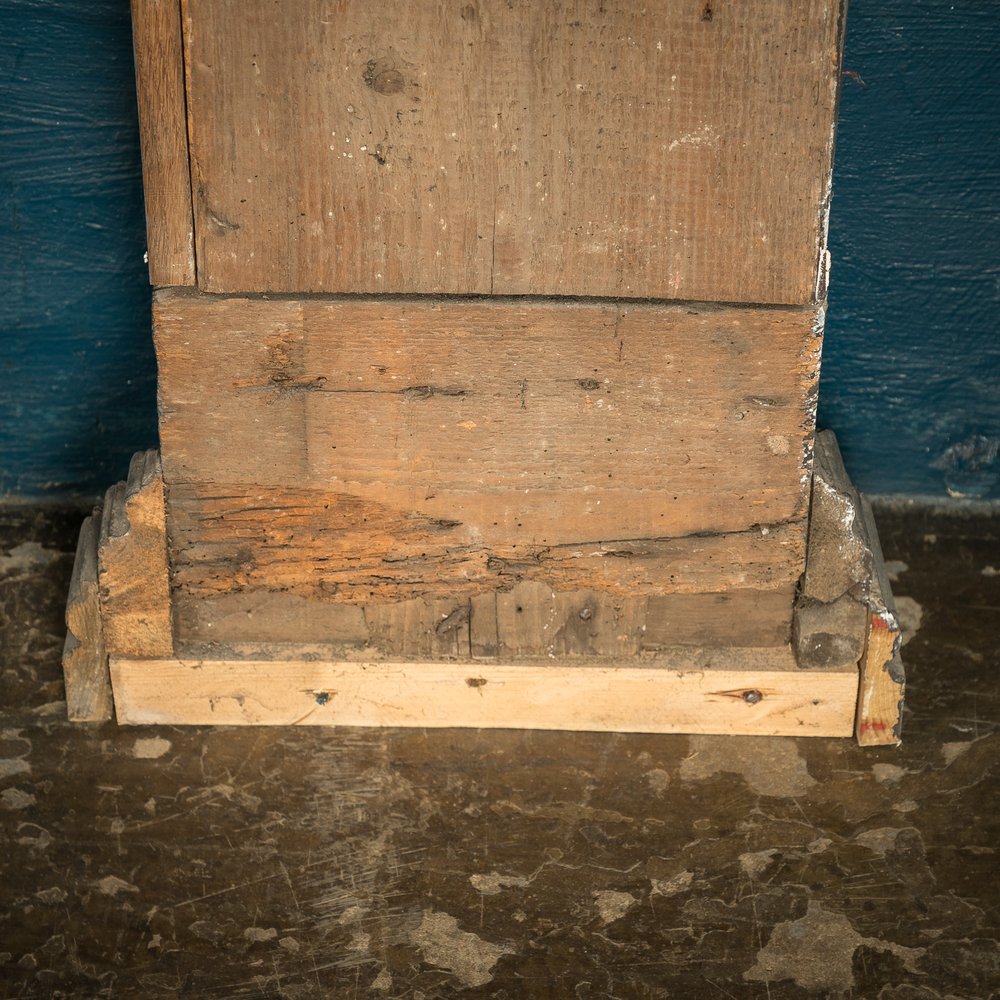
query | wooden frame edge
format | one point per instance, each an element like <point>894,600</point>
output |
<point>84,658</point>
<point>163,131</point>
<point>584,697</point>
<point>882,680</point>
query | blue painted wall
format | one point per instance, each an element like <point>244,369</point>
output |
<point>77,372</point>
<point>912,367</point>
<point>911,376</point>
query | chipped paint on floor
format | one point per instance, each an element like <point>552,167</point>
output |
<point>267,864</point>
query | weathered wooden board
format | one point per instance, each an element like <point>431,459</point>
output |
<point>539,423</point>
<point>674,149</point>
<point>85,659</point>
<point>530,619</point>
<point>601,697</point>
<point>166,171</point>
<point>882,684</point>
<point>132,563</point>
<point>369,451</point>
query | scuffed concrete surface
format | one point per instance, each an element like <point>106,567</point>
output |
<point>273,864</point>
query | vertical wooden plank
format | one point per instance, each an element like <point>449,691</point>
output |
<point>511,147</point>
<point>159,70</point>
<point>132,564</point>
<point>85,660</point>
<point>845,582</point>
<point>882,687</point>
<point>679,694</point>
<point>339,147</point>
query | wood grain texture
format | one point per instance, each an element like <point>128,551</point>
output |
<point>366,451</point>
<point>85,659</point>
<point>529,619</point>
<point>882,687</point>
<point>166,171</point>
<point>512,147</point>
<point>599,697</point>
<point>132,562</point>
<point>539,422</point>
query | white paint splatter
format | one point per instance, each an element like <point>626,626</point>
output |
<point>11,766</point>
<point>494,883</point>
<point>887,774</point>
<point>612,906</point>
<point>658,780</point>
<point>817,952</point>
<point>894,569</point>
<point>770,766</point>
<point>952,751</point>
<point>28,557</point>
<point>910,615</point>
<point>703,136</point>
<point>672,886</point>
<point>755,863</point>
<point>150,748</point>
<point>53,895</point>
<point>880,840</point>
<point>468,957</point>
<point>112,885</point>
<point>257,934</point>
<point>13,799</point>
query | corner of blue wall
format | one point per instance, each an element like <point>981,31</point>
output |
<point>76,361</point>
<point>911,361</point>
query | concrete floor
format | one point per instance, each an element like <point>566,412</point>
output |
<point>308,863</point>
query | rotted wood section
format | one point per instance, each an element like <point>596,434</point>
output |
<point>469,477</point>
<point>841,674</point>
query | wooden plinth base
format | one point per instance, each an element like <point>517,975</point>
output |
<point>840,674</point>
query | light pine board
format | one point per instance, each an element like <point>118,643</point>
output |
<point>669,149</point>
<point>85,659</point>
<point>581,697</point>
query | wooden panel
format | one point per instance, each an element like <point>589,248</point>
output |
<point>366,452</point>
<point>325,546</point>
<point>882,686</point>
<point>671,149</point>
<point>845,567</point>
<point>749,701</point>
<point>530,619</point>
<point>529,423</point>
<point>166,172</point>
<point>132,563</point>
<point>85,660</point>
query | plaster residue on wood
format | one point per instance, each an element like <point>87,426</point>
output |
<point>844,612</point>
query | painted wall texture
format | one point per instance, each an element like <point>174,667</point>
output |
<point>77,371</point>
<point>911,377</point>
<point>911,374</point>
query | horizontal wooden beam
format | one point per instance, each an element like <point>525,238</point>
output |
<point>742,700</point>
